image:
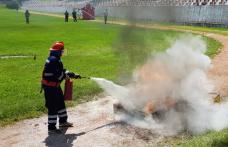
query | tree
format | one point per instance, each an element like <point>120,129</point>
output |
<point>12,4</point>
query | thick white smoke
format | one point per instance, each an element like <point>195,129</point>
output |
<point>174,81</point>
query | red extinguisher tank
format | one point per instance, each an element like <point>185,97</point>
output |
<point>68,90</point>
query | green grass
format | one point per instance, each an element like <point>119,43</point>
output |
<point>94,49</point>
<point>211,139</point>
<point>223,31</point>
<point>218,30</point>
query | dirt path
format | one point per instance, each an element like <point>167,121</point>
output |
<point>219,72</point>
<point>94,123</point>
<point>94,126</point>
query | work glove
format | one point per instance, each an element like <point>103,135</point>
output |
<point>70,74</point>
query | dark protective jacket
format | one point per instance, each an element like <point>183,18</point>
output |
<point>66,14</point>
<point>52,76</point>
<point>27,14</point>
<point>74,14</point>
<point>53,70</point>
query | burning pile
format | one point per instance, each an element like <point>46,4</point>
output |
<point>171,92</point>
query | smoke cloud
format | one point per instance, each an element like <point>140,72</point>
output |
<point>173,82</point>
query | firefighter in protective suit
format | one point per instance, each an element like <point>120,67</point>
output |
<point>53,74</point>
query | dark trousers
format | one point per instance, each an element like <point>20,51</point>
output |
<point>105,19</point>
<point>27,20</point>
<point>66,19</point>
<point>54,101</point>
<point>75,19</point>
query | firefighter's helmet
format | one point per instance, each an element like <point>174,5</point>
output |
<point>57,46</point>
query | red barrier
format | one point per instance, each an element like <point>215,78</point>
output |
<point>88,12</point>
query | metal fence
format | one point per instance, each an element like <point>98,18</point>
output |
<point>196,15</point>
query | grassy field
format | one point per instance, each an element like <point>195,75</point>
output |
<point>212,139</point>
<point>218,30</point>
<point>93,49</point>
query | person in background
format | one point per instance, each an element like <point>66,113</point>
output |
<point>74,15</point>
<point>27,15</point>
<point>52,76</point>
<point>105,16</point>
<point>66,16</point>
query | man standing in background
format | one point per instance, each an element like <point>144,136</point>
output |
<point>74,15</point>
<point>66,16</point>
<point>27,15</point>
<point>105,16</point>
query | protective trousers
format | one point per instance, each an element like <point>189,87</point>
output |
<point>27,20</point>
<point>54,101</point>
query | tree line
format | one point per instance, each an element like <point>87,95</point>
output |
<point>12,4</point>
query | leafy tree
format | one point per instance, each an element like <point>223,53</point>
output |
<point>13,4</point>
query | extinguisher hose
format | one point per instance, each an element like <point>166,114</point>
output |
<point>85,77</point>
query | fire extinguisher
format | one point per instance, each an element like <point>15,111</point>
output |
<point>68,90</point>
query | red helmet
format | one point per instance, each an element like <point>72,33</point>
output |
<point>57,46</point>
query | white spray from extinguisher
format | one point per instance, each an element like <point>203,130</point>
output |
<point>180,74</point>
